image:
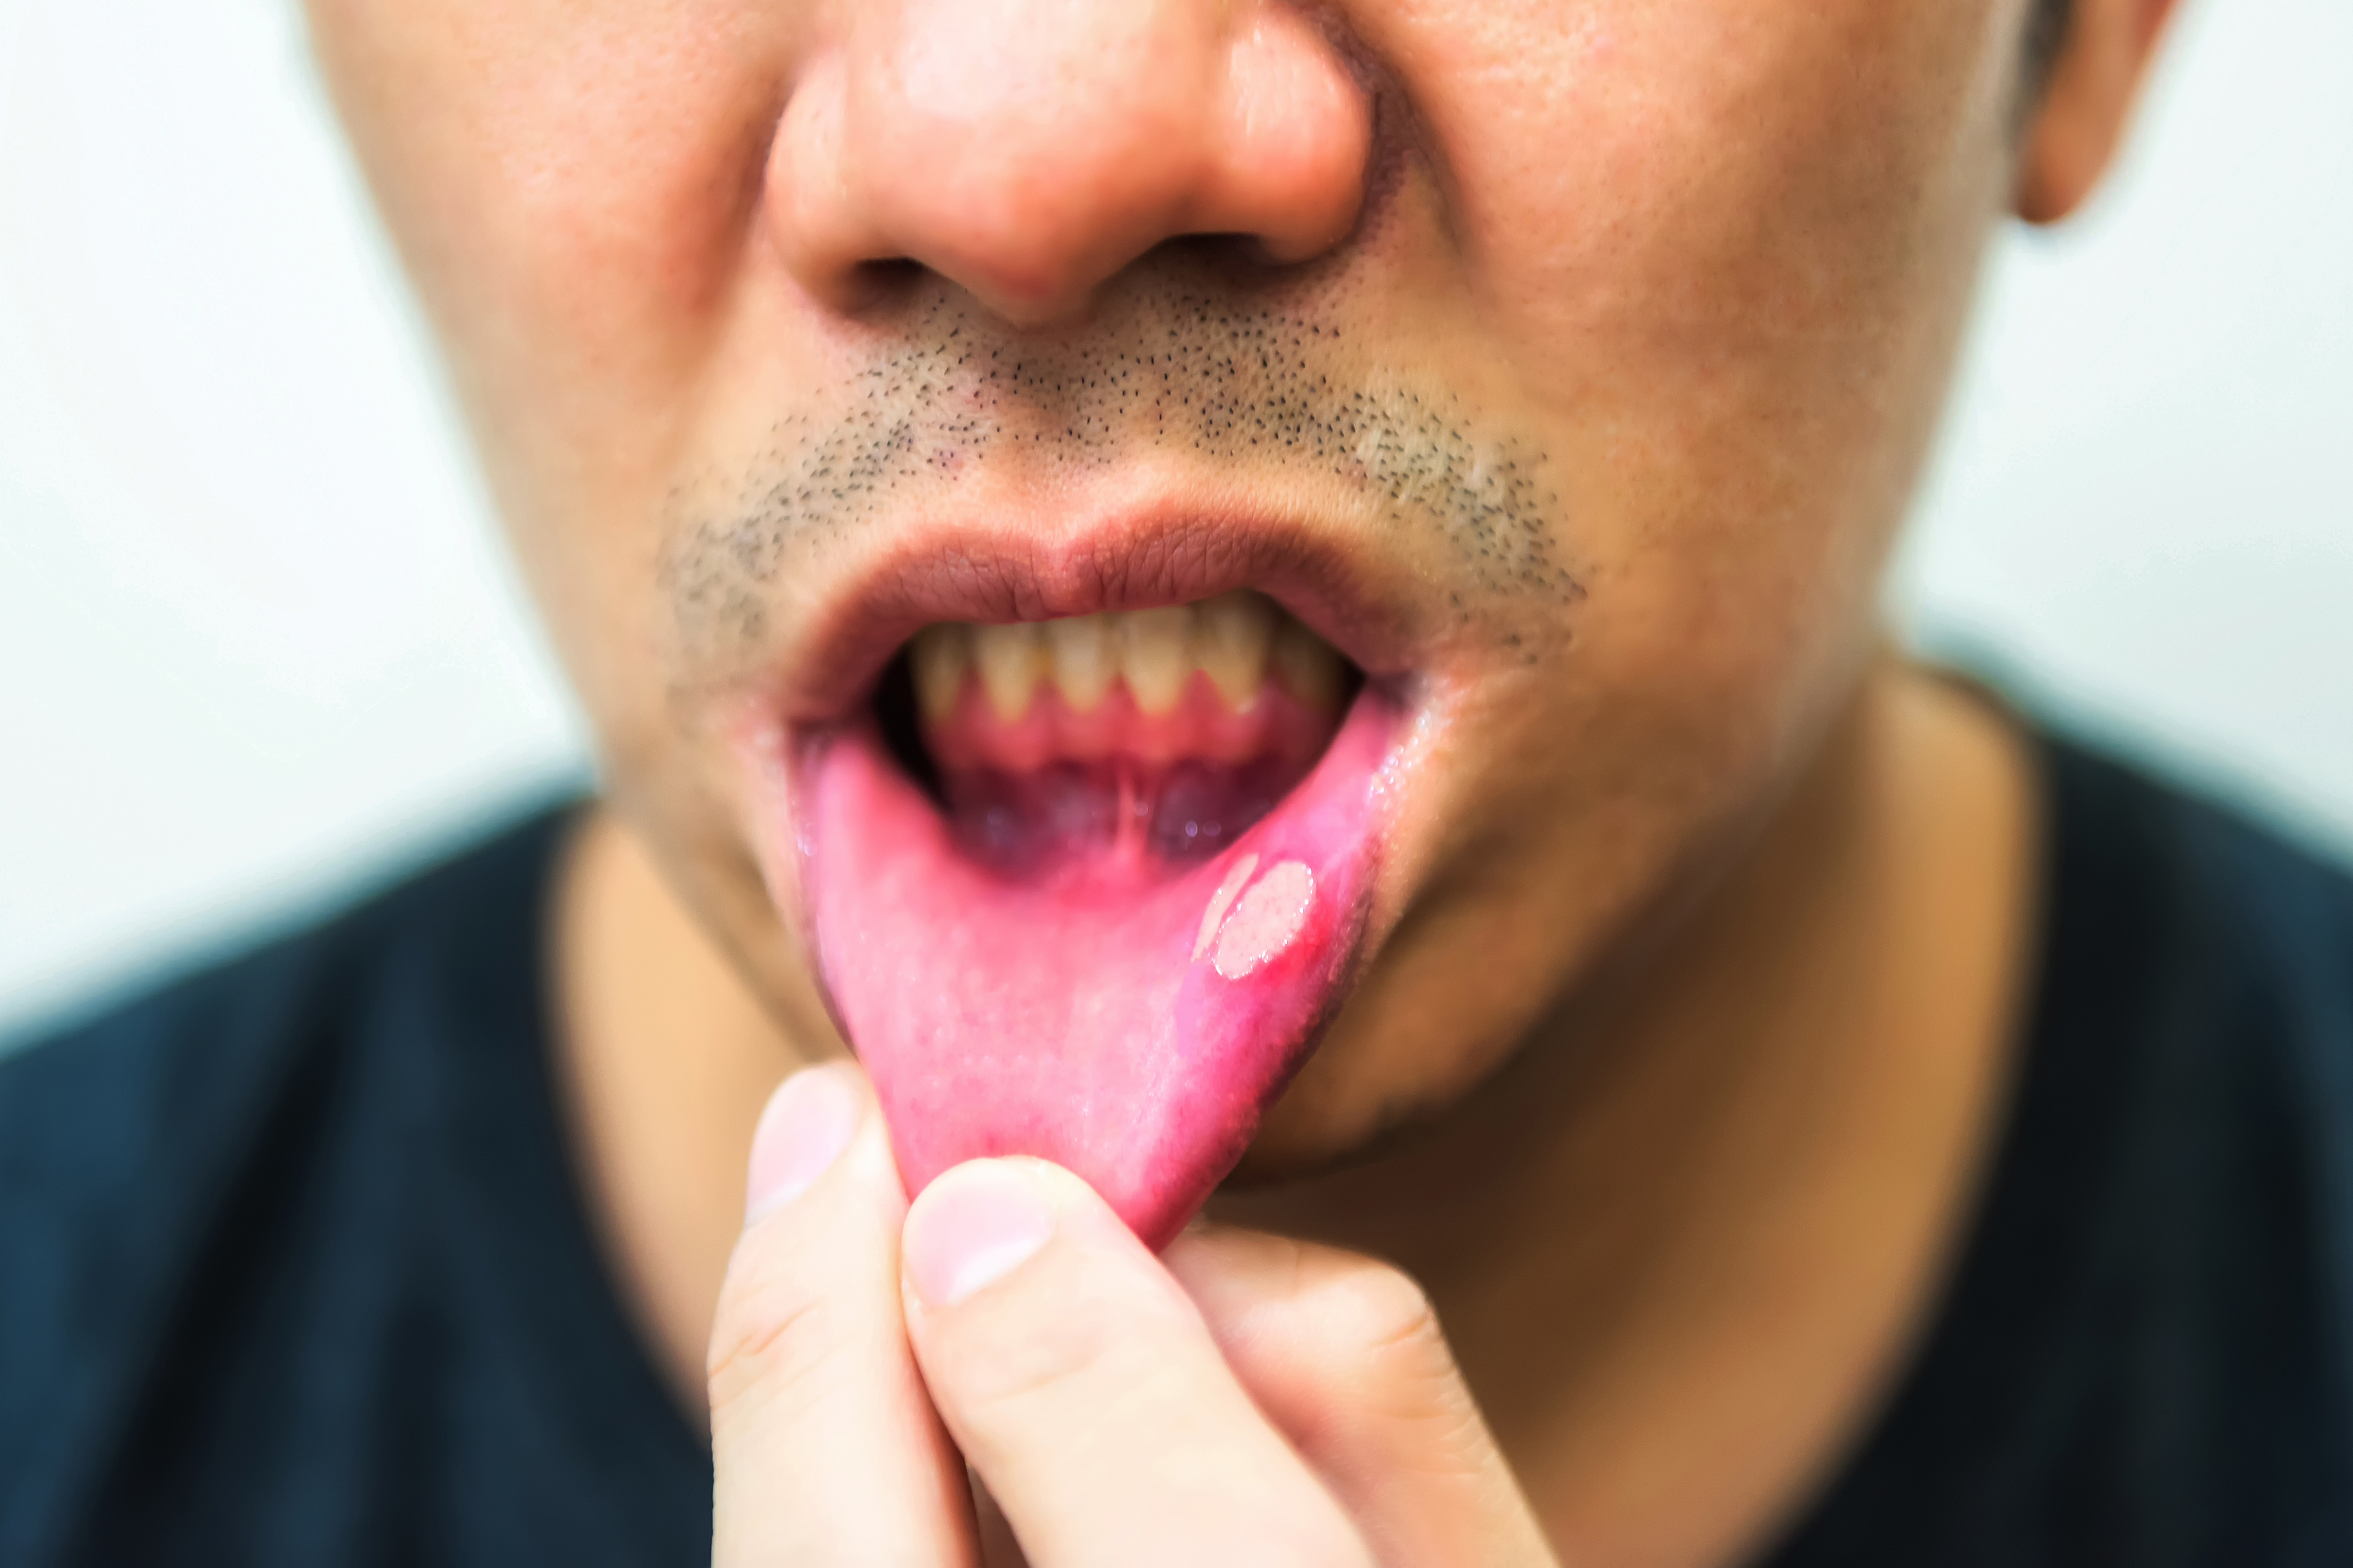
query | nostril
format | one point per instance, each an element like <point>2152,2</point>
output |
<point>1241,260</point>
<point>890,271</point>
<point>883,281</point>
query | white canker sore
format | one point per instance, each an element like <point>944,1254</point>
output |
<point>1228,891</point>
<point>1266,920</point>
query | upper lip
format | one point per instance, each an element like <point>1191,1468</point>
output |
<point>997,565</point>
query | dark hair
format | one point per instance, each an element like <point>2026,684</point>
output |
<point>2046,31</point>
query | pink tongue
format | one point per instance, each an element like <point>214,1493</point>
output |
<point>1130,1023</point>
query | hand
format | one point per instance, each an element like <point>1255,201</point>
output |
<point>1249,1401</point>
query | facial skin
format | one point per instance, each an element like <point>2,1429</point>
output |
<point>1604,337</point>
<point>1700,271</point>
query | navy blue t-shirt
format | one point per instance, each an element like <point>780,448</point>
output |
<point>294,1268</point>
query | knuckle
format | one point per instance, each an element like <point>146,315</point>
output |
<point>1405,1375</point>
<point>1380,1312</point>
<point>1385,1341</point>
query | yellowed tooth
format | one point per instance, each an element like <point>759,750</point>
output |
<point>1156,655</point>
<point>1308,667</point>
<point>1230,641</point>
<point>940,658</point>
<point>1081,659</point>
<point>1009,658</point>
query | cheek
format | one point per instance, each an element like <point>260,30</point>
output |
<point>1711,169</point>
<point>571,184</point>
<point>1740,241</point>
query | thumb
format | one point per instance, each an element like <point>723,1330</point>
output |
<point>1346,1357</point>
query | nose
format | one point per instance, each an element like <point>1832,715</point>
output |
<point>1029,150</point>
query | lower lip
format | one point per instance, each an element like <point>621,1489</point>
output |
<point>1132,1030</point>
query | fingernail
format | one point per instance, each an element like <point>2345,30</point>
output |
<point>810,1121</point>
<point>973,1227</point>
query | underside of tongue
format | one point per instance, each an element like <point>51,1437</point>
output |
<point>1128,1016</point>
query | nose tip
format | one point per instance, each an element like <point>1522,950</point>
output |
<point>1029,150</point>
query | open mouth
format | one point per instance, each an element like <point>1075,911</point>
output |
<point>1114,749</point>
<point>1087,887</point>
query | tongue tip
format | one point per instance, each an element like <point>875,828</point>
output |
<point>1159,1212</point>
<point>1155,1182</point>
<point>1156,1202</point>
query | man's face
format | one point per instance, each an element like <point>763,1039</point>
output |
<point>1565,366</point>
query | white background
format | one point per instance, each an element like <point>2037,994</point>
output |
<point>257,642</point>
